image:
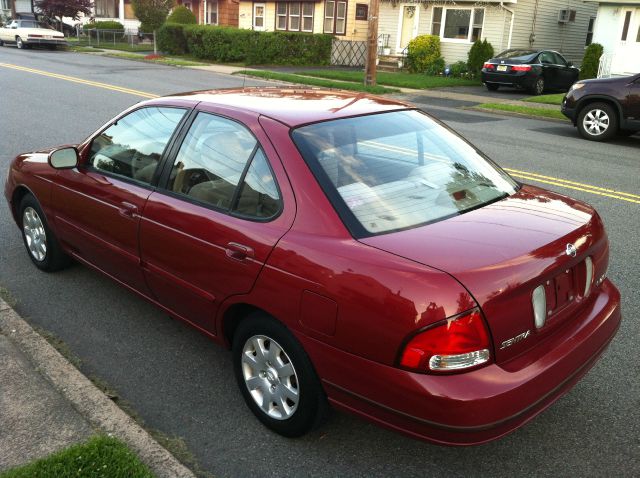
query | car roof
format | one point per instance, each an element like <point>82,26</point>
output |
<point>294,106</point>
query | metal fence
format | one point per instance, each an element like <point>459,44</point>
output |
<point>348,53</point>
<point>105,38</point>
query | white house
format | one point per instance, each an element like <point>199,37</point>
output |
<point>617,29</point>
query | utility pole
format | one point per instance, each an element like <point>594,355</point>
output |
<point>13,8</point>
<point>372,44</point>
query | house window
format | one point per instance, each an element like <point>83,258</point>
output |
<point>212,12</point>
<point>436,21</point>
<point>625,27</point>
<point>335,17</point>
<point>589,39</point>
<point>107,8</point>
<point>258,16</point>
<point>362,11</point>
<point>187,5</point>
<point>458,24</point>
<point>294,16</point>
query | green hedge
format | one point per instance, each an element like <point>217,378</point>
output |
<point>423,55</point>
<point>591,61</point>
<point>106,25</point>
<point>226,44</point>
<point>182,15</point>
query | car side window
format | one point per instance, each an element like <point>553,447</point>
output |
<point>546,58</point>
<point>213,161</point>
<point>133,146</point>
<point>558,59</point>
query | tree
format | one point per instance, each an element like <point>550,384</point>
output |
<point>57,9</point>
<point>152,15</point>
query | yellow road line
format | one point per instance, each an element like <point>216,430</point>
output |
<point>82,81</point>
<point>516,172</point>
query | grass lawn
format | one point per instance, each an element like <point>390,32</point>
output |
<point>527,110</point>
<point>165,60</point>
<point>272,75</point>
<point>547,99</point>
<point>100,457</point>
<point>418,81</point>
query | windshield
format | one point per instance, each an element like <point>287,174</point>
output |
<point>524,55</point>
<point>392,171</point>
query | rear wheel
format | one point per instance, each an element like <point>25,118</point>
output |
<point>276,377</point>
<point>538,86</point>
<point>492,86</point>
<point>597,122</point>
<point>40,242</point>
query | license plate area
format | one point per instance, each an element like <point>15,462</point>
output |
<point>502,68</point>
<point>564,291</point>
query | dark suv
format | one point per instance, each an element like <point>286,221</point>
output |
<point>603,107</point>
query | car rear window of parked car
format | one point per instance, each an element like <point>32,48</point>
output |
<point>398,170</point>
<point>524,55</point>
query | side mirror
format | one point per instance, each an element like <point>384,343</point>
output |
<point>64,158</point>
<point>570,63</point>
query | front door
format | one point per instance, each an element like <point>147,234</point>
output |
<point>408,23</point>
<point>98,204</point>
<point>208,231</point>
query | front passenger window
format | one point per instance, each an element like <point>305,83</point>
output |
<point>133,146</point>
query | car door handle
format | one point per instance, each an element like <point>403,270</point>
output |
<point>128,210</point>
<point>238,252</point>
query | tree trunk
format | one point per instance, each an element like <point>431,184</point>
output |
<point>155,48</point>
<point>13,8</point>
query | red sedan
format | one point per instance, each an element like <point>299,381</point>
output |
<point>351,250</point>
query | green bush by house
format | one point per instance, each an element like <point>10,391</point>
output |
<point>458,69</point>
<point>106,25</point>
<point>423,55</point>
<point>590,61</point>
<point>479,52</point>
<point>230,45</point>
<point>182,15</point>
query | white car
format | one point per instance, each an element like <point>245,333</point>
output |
<point>25,33</point>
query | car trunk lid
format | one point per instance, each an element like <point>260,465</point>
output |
<point>503,251</point>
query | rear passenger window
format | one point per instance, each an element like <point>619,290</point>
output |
<point>221,165</point>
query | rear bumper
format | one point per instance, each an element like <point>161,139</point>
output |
<point>478,406</point>
<point>520,79</point>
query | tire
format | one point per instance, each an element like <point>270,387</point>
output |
<point>538,86</point>
<point>276,377</point>
<point>597,122</point>
<point>20,44</point>
<point>40,242</point>
<point>1,43</point>
<point>492,86</point>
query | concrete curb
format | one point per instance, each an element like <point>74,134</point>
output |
<point>86,398</point>
<point>515,113</point>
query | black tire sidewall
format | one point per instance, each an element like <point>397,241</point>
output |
<point>312,403</point>
<point>54,258</point>
<point>613,122</point>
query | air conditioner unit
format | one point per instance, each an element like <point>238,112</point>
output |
<point>566,15</point>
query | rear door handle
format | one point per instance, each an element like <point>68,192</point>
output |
<point>128,210</point>
<point>238,252</point>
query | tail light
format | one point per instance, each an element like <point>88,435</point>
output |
<point>489,66</point>
<point>588,276</point>
<point>521,68</point>
<point>455,344</point>
<point>539,302</point>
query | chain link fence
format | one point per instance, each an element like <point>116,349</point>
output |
<point>115,39</point>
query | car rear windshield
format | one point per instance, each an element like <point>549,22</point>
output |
<point>391,171</point>
<point>524,55</point>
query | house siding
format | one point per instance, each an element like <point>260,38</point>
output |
<point>568,38</point>
<point>620,58</point>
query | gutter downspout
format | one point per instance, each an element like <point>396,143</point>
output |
<point>513,20</point>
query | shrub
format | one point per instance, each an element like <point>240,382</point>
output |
<point>590,61</point>
<point>423,54</point>
<point>458,69</point>
<point>227,44</point>
<point>182,15</point>
<point>171,39</point>
<point>479,52</point>
<point>106,25</point>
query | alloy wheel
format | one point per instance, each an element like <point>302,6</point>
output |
<point>19,43</point>
<point>270,377</point>
<point>539,86</point>
<point>34,234</point>
<point>596,122</point>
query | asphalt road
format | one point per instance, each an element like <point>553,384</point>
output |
<point>182,384</point>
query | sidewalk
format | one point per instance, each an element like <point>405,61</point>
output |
<point>47,405</point>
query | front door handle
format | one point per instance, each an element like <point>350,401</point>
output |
<point>128,210</point>
<point>238,252</point>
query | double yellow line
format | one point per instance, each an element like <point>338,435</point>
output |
<point>74,79</point>
<point>611,193</point>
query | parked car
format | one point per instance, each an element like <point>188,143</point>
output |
<point>602,108</point>
<point>26,33</point>
<point>533,70</point>
<point>349,249</point>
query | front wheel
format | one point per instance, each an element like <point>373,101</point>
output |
<point>276,377</point>
<point>538,86</point>
<point>597,122</point>
<point>40,242</point>
<point>20,44</point>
